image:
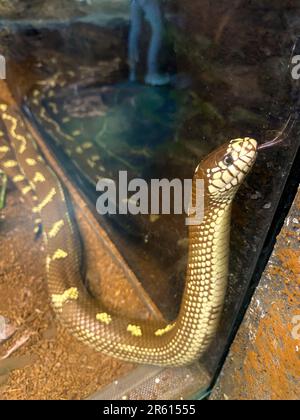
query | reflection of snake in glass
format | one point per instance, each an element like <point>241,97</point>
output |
<point>178,343</point>
<point>93,107</point>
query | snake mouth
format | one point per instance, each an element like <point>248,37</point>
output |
<point>251,148</point>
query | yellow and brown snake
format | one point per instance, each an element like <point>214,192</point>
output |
<point>178,343</point>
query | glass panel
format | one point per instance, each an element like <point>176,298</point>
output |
<point>151,88</point>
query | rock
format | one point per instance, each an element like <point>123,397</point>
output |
<point>7,329</point>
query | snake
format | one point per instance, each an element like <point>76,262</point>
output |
<point>173,344</point>
<point>83,153</point>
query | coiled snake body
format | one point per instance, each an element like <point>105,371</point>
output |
<point>178,343</point>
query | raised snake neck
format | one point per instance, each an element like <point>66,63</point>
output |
<point>178,343</point>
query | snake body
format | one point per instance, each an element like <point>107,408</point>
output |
<point>178,343</point>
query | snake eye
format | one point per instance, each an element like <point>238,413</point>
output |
<point>228,160</point>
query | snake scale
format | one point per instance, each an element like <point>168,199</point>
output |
<point>178,343</point>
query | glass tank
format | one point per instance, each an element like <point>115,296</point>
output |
<point>124,90</point>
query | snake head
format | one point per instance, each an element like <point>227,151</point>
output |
<point>225,169</point>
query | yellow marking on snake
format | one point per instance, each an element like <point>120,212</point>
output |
<point>95,158</point>
<point>79,150</point>
<point>48,262</point>
<point>135,330</point>
<point>31,162</point>
<point>46,200</point>
<point>54,231</point>
<point>60,254</point>
<point>58,301</point>
<point>13,129</point>
<point>91,163</point>
<point>4,149</point>
<point>38,177</point>
<point>22,148</point>
<point>10,164</point>
<point>87,145</point>
<point>26,190</point>
<point>54,108</point>
<point>104,318</point>
<point>76,133</point>
<point>165,330</point>
<point>19,178</point>
<point>43,115</point>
